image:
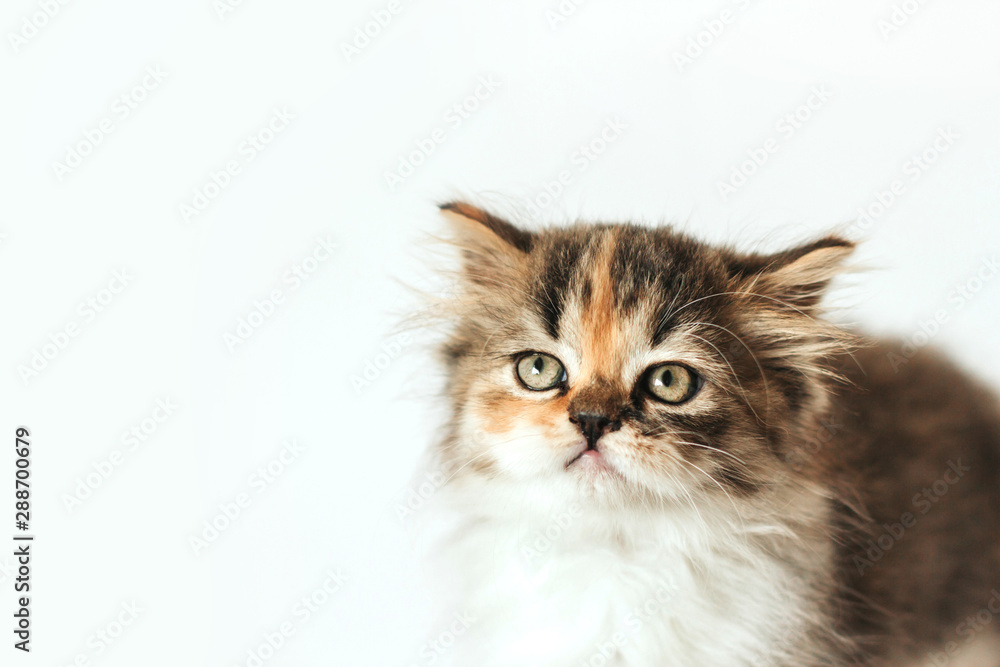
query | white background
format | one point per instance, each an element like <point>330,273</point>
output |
<point>688,125</point>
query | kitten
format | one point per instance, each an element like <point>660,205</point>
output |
<point>659,455</point>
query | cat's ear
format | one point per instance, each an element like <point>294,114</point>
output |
<point>797,278</point>
<point>491,246</point>
<point>476,224</point>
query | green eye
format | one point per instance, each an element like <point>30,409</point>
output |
<point>540,372</point>
<point>672,383</point>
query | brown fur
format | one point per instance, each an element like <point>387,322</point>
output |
<point>901,431</point>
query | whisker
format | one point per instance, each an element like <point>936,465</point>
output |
<point>716,449</point>
<point>732,370</point>
<point>824,326</point>
<point>722,488</point>
<point>463,466</point>
<point>760,369</point>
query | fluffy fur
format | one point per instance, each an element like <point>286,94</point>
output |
<point>729,530</point>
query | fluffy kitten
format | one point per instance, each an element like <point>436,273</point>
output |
<point>659,455</point>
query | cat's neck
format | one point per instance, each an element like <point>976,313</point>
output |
<point>529,514</point>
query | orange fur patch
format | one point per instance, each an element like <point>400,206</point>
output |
<point>601,335</point>
<point>501,412</point>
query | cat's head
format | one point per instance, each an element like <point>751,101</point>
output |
<point>617,363</point>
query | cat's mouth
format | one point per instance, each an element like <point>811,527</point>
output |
<point>592,459</point>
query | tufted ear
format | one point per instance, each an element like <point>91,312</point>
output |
<point>491,246</point>
<point>476,221</point>
<point>797,277</point>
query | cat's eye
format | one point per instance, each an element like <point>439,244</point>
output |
<point>672,383</point>
<point>540,372</point>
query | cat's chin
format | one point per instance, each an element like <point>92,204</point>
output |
<point>598,477</point>
<point>596,473</point>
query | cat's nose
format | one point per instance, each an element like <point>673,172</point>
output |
<point>594,425</point>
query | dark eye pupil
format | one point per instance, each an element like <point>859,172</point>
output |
<point>667,378</point>
<point>537,366</point>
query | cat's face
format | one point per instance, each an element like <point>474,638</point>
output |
<point>628,364</point>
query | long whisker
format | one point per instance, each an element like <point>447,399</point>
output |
<point>731,370</point>
<point>464,465</point>
<point>753,356</point>
<point>745,293</point>
<point>687,494</point>
<point>846,348</point>
<point>722,488</point>
<point>668,431</point>
<point>716,449</point>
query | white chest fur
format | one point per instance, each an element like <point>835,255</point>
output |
<point>568,591</point>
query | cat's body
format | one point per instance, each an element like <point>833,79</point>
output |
<point>919,443</point>
<point>660,456</point>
